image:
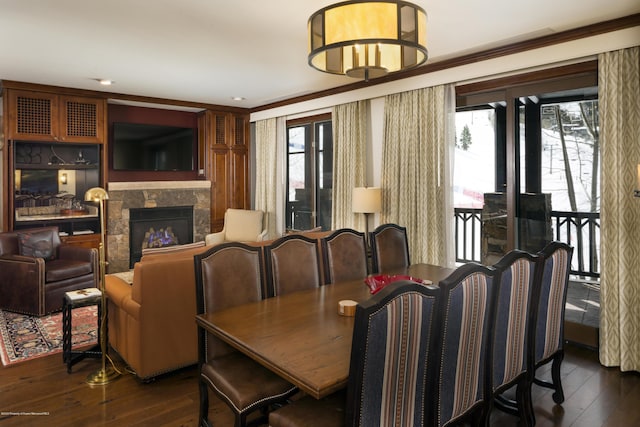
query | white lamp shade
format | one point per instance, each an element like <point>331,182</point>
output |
<point>367,199</point>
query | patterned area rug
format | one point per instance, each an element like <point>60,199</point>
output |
<point>25,337</point>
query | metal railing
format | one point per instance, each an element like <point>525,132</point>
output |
<point>578,229</point>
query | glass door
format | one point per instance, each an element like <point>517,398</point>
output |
<point>547,177</point>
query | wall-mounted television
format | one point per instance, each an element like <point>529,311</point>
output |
<point>151,147</point>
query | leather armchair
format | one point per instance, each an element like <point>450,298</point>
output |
<point>36,270</point>
<point>240,225</point>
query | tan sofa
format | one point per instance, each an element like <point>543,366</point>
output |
<point>151,321</point>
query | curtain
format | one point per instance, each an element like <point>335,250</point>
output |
<point>619,103</point>
<point>349,162</point>
<point>267,182</point>
<point>416,170</point>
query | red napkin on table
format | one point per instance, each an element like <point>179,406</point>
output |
<point>377,283</point>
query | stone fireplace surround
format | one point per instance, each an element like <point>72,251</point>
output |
<point>124,196</point>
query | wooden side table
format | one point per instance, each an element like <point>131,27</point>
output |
<point>76,299</point>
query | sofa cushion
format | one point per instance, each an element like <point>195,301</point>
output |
<point>38,244</point>
<point>242,225</point>
<point>172,248</point>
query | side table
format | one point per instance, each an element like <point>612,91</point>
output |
<point>75,299</point>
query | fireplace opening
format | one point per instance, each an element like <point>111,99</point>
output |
<point>158,227</point>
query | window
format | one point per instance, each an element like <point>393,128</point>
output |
<point>309,173</point>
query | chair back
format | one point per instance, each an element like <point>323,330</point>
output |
<point>243,225</point>
<point>466,317</point>
<point>293,264</point>
<point>393,337</point>
<point>227,275</point>
<point>389,248</point>
<point>345,256</point>
<point>549,336</point>
<point>44,237</point>
<point>518,272</point>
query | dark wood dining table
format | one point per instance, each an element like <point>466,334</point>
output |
<point>300,336</point>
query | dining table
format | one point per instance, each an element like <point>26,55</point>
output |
<point>301,336</point>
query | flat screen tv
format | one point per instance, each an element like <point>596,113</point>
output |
<point>148,147</point>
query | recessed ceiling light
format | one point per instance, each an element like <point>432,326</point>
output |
<point>238,98</point>
<point>105,82</point>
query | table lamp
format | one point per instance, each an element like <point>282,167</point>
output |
<point>105,374</point>
<point>367,200</point>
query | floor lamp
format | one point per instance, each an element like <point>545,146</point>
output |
<point>105,374</point>
<point>367,200</point>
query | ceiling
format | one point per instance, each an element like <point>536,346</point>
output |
<point>209,51</point>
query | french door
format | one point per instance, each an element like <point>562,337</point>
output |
<point>546,175</point>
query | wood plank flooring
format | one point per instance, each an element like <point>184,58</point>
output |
<point>47,396</point>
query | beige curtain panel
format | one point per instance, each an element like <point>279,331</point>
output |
<point>266,173</point>
<point>619,102</point>
<point>349,162</point>
<point>416,164</point>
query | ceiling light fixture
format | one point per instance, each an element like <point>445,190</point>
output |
<point>367,39</point>
<point>238,98</point>
<point>105,82</point>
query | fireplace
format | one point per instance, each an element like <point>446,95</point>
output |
<point>158,227</point>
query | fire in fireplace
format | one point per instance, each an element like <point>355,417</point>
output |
<point>158,227</point>
<point>160,238</point>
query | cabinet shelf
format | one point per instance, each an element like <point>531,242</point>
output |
<point>57,166</point>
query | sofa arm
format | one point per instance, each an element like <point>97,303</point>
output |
<point>21,283</point>
<point>214,238</point>
<point>119,293</point>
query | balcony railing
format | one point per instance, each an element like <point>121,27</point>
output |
<point>578,229</point>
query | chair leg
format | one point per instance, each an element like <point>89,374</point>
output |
<point>204,404</point>
<point>525,403</point>
<point>558,395</point>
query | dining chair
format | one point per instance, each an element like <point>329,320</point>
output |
<point>518,271</point>
<point>293,264</point>
<point>459,392</point>
<point>389,248</point>
<point>396,331</point>
<point>228,275</point>
<point>344,253</point>
<point>548,340</point>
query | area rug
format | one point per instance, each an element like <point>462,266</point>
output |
<point>24,337</point>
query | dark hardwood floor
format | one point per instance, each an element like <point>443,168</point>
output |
<point>48,396</point>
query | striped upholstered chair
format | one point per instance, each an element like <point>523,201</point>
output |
<point>549,333</point>
<point>388,387</point>
<point>518,272</point>
<point>459,393</point>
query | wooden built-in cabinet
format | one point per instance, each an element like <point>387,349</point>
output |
<point>43,116</point>
<point>51,137</point>
<point>224,157</point>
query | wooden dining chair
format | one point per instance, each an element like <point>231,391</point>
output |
<point>518,271</point>
<point>293,264</point>
<point>228,275</point>
<point>548,340</point>
<point>344,253</point>
<point>459,393</point>
<point>389,386</point>
<point>389,248</point>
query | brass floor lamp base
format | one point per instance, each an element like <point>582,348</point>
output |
<point>103,376</point>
